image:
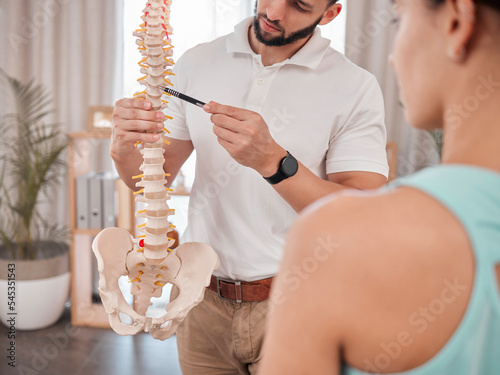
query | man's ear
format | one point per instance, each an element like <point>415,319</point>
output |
<point>460,27</point>
<point>331,13</point>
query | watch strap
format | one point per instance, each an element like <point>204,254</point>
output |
<point>275,178</point>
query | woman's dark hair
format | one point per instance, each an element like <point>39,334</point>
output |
<point>492,3</point>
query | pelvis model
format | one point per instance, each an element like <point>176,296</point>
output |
<point>148,260</point>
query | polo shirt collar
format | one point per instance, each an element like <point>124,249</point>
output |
<point>310,55</point>
<point>237,42</point>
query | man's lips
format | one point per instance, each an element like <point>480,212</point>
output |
<point>268,27</point>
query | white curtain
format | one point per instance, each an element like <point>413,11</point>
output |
<point>72,48</point>
<point>369,41</point>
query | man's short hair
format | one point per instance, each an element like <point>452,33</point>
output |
<point>331,2</point>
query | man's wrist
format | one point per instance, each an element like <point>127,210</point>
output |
<point>120,157</point>
<point>274,163</point>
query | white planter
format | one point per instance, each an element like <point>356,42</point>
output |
<point>40,291</point>
<point>39,303</point>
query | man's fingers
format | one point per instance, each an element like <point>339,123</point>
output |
<point>129,113</point>
<point>136,109</point>
<point>134,103</point>
<point>225,134</point>
<point>225,122</point>
<point>227,145</point>
<point>233,112</point>
<point>140,125</point>
<point>134,137</point>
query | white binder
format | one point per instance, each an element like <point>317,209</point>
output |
<point>95,200</point>
<point>82,201</point>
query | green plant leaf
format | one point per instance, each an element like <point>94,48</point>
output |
<point>30,155</point>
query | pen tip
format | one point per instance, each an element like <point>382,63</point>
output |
<point>161,88</point>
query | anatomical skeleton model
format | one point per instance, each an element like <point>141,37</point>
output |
<point>147,260</point>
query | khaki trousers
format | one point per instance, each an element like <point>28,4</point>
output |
<point>221,337</point>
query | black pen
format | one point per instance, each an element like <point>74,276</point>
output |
<point>182,96</point>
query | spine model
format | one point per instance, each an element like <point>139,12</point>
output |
<point>155,46</point>
<point>148,260</point>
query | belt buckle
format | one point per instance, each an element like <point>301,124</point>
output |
<point>237,289</point>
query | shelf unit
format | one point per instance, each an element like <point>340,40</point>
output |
<point>84,312</point>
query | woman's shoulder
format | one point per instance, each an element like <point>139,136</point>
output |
<point>393,252</point>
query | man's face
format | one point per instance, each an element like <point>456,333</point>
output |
<point>281,22</point>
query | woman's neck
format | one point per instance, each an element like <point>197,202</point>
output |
<point>472,128</point>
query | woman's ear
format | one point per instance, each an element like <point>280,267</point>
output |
<point>331,13</point>
<point>460,28</point>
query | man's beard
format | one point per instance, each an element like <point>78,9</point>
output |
<point>281,40</point>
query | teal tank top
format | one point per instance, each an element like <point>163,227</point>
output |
<point>473,196</point>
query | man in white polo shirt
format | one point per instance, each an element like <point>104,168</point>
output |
<point>303,122</point>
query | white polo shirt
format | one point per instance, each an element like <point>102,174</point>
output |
<point>323,109</point>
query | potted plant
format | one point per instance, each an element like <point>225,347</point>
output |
<point>34,254</point>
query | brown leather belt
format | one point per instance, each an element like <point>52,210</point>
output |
<point>241,291</point>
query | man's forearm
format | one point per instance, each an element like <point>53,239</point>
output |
<point>305,188</point>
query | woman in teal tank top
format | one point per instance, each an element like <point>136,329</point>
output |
<point>406,280</point>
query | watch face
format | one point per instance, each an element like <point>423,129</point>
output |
<point>290,166</point>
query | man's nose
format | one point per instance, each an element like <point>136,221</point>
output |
<point>276,10</point>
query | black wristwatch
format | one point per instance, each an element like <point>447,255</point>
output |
<point>288,168</point>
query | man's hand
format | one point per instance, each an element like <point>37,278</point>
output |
<point>245,135</point>
<point>132,118</point>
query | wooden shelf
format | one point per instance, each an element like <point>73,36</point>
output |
<point>83,311</point>
<point>88,232</point>
<point>95,134</point>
